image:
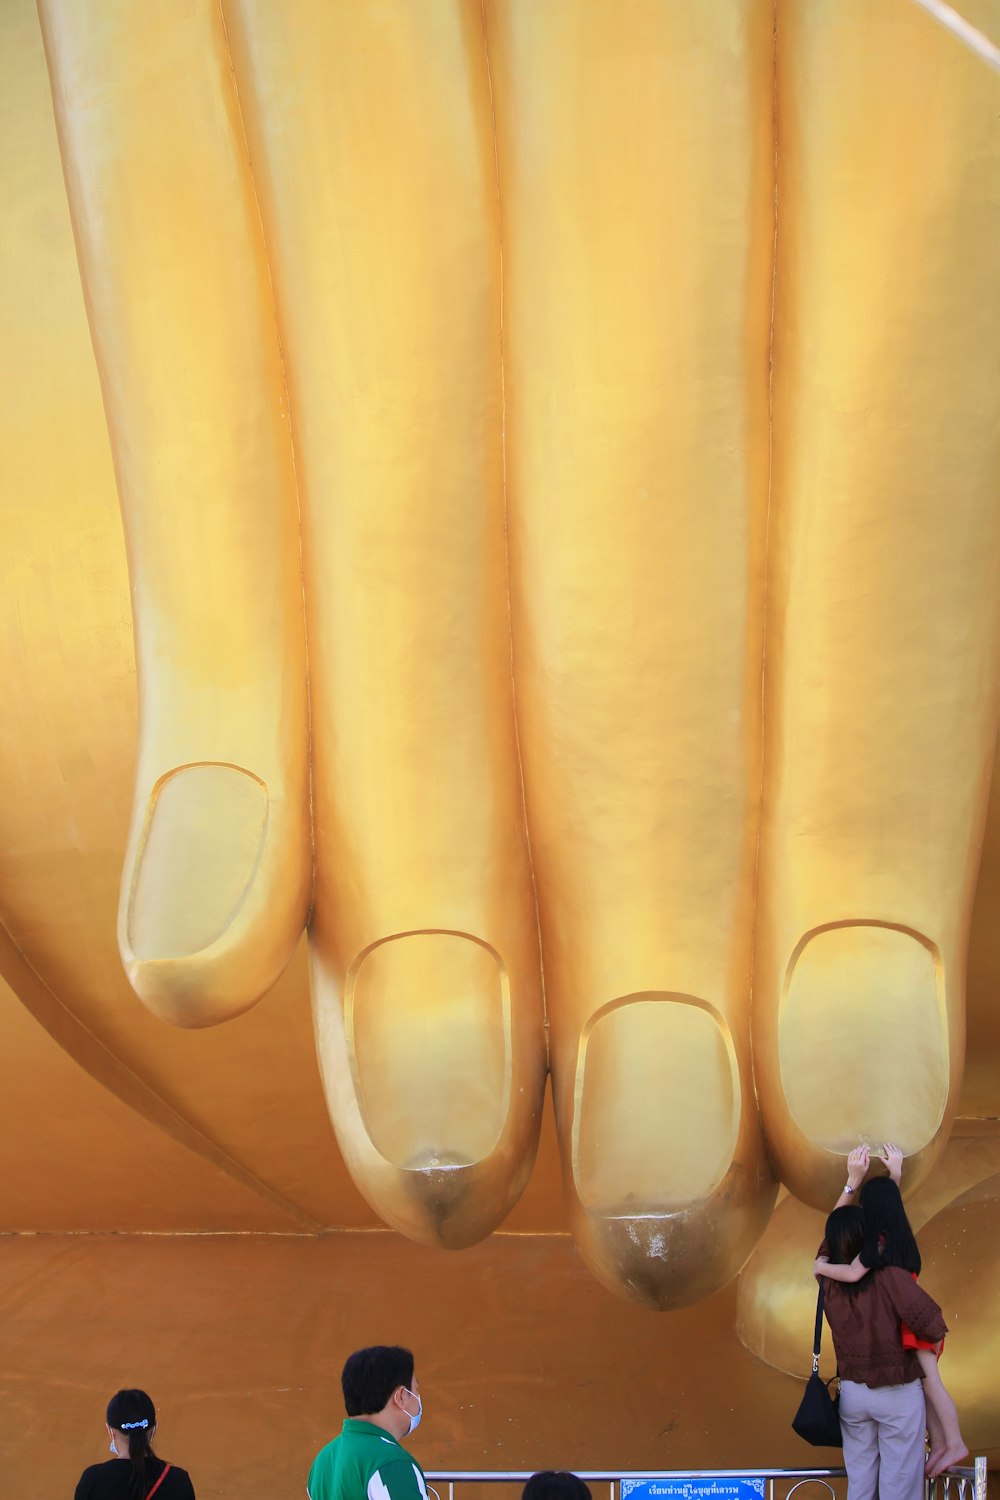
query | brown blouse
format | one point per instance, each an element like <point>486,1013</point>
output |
<point>866,1323</point>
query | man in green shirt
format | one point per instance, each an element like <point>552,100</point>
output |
<point>367,1461</point>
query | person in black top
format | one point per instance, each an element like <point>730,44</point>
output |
<point>135,1472</point>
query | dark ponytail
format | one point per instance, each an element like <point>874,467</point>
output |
<point>845,1235</point>
<point>889,1239</point>
<point>133,1413</point>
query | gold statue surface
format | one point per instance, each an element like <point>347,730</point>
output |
<point>558,449</point>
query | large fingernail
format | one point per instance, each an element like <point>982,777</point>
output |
<point>427,1017</point>
<point>197,859</point>
<point>863,1039</point>
<point>657,1107</point>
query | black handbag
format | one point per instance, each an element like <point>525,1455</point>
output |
<point>818,1417</point>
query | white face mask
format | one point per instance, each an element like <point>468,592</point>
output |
<point>114,1450</point>
<point>414,1421</point>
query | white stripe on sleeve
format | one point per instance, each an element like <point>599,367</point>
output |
<point>377,1489</point>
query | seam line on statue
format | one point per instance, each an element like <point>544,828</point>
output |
<point>286,396</point>
<point>770,486</point>
<point>506,539</point>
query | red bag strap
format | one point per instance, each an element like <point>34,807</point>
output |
<point>156,1486</point>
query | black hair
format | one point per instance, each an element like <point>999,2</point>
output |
<point>555,1484</point>
<point>845,1234</point>
<point>371,1375</point>
<point>888,1237</point>
<point>133,1413</point>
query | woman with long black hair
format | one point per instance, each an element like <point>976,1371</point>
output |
<point>882,1414</point>
<point>133,1472</point>
<point>889,1241</point>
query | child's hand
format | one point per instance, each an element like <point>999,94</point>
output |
<point>893,1158</point>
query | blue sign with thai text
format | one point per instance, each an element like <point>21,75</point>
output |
<point>696,1487</point>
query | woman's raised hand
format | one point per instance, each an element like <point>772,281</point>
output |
<point>857,1166</point>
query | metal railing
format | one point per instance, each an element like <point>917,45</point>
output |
<point>961,1483</point>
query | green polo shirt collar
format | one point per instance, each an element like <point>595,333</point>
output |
<point>355,1424</point>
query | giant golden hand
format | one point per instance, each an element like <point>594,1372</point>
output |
<point>481,384</point>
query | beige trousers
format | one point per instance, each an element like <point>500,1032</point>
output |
<point>883,1428</point>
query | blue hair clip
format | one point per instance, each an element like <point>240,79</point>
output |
<point>127,1426</point>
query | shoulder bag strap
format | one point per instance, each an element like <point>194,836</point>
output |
<point>166,1471</point>
<point>817,1336</point>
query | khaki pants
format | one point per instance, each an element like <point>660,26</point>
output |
<point>883,1428</point>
